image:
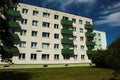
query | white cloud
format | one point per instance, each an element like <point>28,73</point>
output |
<point>65,3</point>
<point>111,9</point>
<point>110,15</point>
<point>111,20</point>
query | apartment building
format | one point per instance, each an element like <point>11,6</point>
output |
<point>100,40</point>
<point>46,36</point>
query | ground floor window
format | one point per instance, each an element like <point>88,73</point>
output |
<point>22,56</point>
<point>75,57</point>
<point>66,57</point>
<point>56,57</point>
<point>45,56</point>
<point>33,56</point>
<point>82,56</point>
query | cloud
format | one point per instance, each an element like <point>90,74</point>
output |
<point>110,15</point>
<point>111,20</point>
<point>65,3</point>
<point>111,9</point>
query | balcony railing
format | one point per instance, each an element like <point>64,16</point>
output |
<point>91,51</point>
<point>66,31</point>
<point>88,26</point>
<point>66,22</point>
<point>10,49</point>
<point>13,13</point>
<point>67,51</point>
<point>14,37</point>
<point>90,43</point>
<point>89,34</point>
<point>66,41</point>
<point>13,24</point>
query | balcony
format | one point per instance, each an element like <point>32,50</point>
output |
<point>66,41</point>
<point>89,34</point>
<point>91,51</point>
<point>67,51</point>
<point>13,24</point>
<point>66,31</point>
<point>88,26</point>
<point>14,13</point>
<point>66,22</point>
<point>7,49</point>
<point>90,43</point>
<point>14,37</point>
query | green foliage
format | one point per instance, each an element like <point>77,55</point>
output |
<point>5,34</point>
<point>100,58</point>
<point>109,58</point>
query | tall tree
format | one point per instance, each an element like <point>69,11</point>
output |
<point>8,16</point>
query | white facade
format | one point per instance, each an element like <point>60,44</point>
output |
<point>40,37</point>
<point>100,40</point>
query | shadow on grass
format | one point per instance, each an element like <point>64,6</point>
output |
<point>12,75</point>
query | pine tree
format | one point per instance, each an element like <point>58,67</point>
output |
<point>8,25</point>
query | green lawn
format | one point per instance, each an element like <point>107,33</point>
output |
<point>66,73</point>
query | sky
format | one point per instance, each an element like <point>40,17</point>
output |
<point>104,13</point>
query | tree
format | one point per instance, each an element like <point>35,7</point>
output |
<point>109,58</point>
<point>8,16</point>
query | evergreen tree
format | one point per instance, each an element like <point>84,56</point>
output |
<point>8,38</point>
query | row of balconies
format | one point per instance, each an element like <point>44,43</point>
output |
<point>13,36</point>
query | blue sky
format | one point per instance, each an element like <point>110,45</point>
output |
<point>105,13</point>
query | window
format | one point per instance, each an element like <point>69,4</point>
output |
<point>74,28</point>
<point>65,18</point>
<point>74,37</point>
<point>75,46</point>
<point>46,24</point>
<point>56,57</point>
<point>66,57</point>
<point>46,15</point>
<point>74,20</point>
<point>34,23</point>
<point>81,30</point>
<point>22,44</point>
<point>87,22</point>
<point>45,56</point>
<point>45,35</point>
<point>98,34</point>
<point>75,57</point>
<point>33,44</point>
<point>99,39</point>
<point>56,46</point>
<point>45,45</point>
<point>80,22</point>
<point>82,56</point>
<point>56,36</point>
<point>22,56</point>
<point>56,16</point>
<point>24,11</point>
<point>24,21</point>
<point>35,13</point>
<point>56,26</point>
<point>23,32</point>
<point>33,56</point>
<point>81,38</point>
<point>82,47</point>
<point>34,33</point>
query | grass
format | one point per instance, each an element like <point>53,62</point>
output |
<point>69,73</point>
